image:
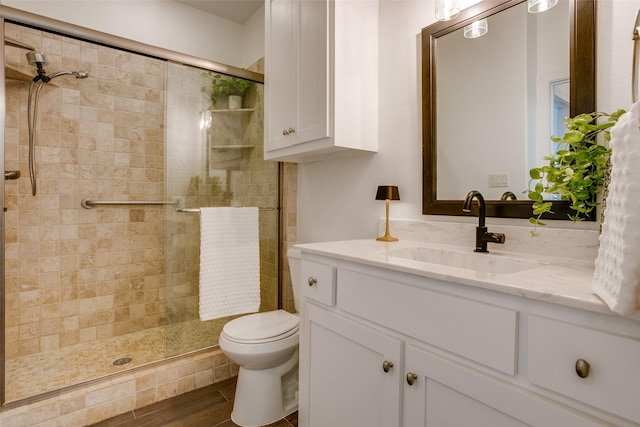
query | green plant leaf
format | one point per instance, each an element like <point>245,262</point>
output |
<point>577,172</point>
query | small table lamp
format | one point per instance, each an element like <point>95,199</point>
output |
<point>387,193</point>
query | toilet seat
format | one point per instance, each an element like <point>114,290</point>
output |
<point>261,327</point>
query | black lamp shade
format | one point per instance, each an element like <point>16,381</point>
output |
<point>388,192</point>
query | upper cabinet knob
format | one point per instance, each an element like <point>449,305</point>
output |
<point>386,366</point>
<point>312,281</point>
<point>582,368</point>
<point>411,378</point>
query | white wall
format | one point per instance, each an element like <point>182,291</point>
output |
<point>616,20</point>
<point>162,23</point>
<point>336,196</point>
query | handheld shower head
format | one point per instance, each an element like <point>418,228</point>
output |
<point>80,74</point>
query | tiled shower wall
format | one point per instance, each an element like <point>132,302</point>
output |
<point>72,274</point>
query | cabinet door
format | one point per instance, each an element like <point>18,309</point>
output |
<point>313,98</point>
<point>280,74</point>
<point>296,72</point>
<point>445,393</point>
<point>344,380</point>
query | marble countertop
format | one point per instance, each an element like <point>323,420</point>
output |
<point>552,279</point>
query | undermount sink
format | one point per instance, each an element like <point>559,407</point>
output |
<point>485,262</point>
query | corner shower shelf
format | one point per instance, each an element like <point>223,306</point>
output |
<point>13,73</point>
<point>16,74</point>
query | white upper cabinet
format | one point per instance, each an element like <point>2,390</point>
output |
<point>321,78</point>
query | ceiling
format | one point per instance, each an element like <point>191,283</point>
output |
<point>234,10</point>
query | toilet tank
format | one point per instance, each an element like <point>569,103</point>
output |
<point>294,255</point>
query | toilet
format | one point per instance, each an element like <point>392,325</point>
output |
<point>265,347</point>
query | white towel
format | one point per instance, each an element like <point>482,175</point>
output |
<point>617,266</point>
<point>229,262</point>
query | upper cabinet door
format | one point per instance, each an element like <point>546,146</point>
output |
<point>321,78</point>
<point>296,76</point>
<point>313,98</point>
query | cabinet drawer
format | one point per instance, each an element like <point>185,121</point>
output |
<point>480,332</point>
<point>613,381</point>
<point>318,282</point>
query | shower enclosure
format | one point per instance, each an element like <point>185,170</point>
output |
<point>93,288</point>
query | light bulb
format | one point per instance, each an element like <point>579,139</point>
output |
<point>447,9</point>
<point>537,6</point>
<point>476,29</point>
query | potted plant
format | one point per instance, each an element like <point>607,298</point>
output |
<point>576,171</point>
<point>231,88</point>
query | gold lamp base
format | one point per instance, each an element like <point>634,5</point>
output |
<point>387,237</point>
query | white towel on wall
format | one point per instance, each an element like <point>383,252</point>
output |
<point>617,266</point>
<point>229,262</point>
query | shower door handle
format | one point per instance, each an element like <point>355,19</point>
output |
<point>11,175</point>
<point>636,57</point>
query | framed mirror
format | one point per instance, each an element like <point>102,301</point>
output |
<point>490,104</point>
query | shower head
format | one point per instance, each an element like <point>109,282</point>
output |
<point>80,74</point>
<point>37,58</point>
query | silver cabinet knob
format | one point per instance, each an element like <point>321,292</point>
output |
<point>582,368</point>
<point>386,366</point>
<point>312,281</point>
<point>285,132</point>
<point>411,378</point>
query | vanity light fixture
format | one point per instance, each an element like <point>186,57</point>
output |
<point>446,10</point>
<point>387,193</point>
<point>476,29</point>
<point>537,6</point>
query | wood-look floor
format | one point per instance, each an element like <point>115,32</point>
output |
<point>206,407</point>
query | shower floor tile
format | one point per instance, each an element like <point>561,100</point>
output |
<point>35,374</point>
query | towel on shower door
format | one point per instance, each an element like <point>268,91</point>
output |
<point>617,266</point>
<point>229,262</point>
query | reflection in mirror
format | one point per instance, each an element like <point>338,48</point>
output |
<point>490,104</point>
<point>559,107</point>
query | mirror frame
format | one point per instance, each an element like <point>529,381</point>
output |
<point>582,78</point>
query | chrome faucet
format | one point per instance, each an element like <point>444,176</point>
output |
<point>482,235</point>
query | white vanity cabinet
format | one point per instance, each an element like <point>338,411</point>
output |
<point>445,393</point>
<point>386,348</point>
<point>316,106</point>
<point>352,371</point>
<point>350,359</point>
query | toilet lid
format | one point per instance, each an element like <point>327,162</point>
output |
<point>261,326</point>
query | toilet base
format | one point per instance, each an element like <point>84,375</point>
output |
<point>266,395</point>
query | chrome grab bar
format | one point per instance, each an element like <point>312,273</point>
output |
<point>88,203</point>
<point>636,57</point>
<point>198,209</point>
